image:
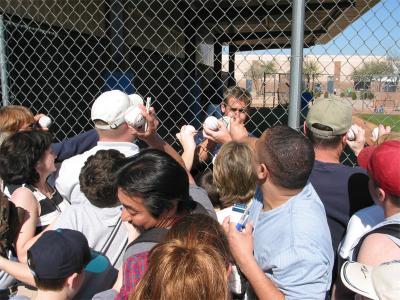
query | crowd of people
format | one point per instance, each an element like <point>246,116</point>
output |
<point>100,216</point>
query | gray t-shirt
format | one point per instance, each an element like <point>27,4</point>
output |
<point>97,225</point>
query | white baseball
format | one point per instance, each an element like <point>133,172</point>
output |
<point>44,122</point>
<point>375,134</point>
<point>189,129</point>
<point>135,99</point>
<point>351,136</point>
<point>134,117</point>
<point>211,123</point>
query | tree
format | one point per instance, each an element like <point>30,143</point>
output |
<point>256,73</point>
<point>270,68</point>
<point>394,59</point>
<point>311,71</point>
<point>373,71</point>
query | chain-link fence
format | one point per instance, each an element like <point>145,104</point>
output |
<point>58,56</point>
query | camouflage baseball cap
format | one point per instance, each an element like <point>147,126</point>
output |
<point>333,114</point>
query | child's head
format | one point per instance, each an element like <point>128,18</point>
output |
<point>58,258</point>
<point>98,180</point>
<point>192,263</point>
<point>233,175</point>
<point>14,118</point>
<point>205,181</point>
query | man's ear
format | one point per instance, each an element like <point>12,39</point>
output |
<point>262,172</point>
<point>381,196</point>
<point>344,139</point>
<point>73,280</point>
<point>223,107</point>
<point>305,128</point>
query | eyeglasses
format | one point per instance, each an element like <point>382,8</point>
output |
<point>234,109</point>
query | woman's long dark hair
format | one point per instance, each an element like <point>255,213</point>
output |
<point>158,179</point>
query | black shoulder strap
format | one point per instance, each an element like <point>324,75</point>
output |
<point>156,235</point>
<point>390,229</point>
<point>199,209</point>
<point>153,235</point>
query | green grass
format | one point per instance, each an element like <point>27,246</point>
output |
<point>387,120</point>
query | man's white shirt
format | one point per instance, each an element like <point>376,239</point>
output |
<point>67,179</point>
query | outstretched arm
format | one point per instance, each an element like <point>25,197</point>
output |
<point>186,138</point>
<point>18,270</point>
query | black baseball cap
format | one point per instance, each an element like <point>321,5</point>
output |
<point>59,253</point>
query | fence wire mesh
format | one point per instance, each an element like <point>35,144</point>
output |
<point>58,56</point>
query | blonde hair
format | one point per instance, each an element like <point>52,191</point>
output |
<point>13,117</point>
<point>233,174</point>
<point>192,263</point>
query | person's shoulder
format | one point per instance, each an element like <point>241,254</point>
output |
<point>322,170</point>
<point>79,157</point>
<point>377,248</point>
<point>374,212</point>
<point>24,197</point>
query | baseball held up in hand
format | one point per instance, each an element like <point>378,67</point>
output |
<point>44,122</point>
<point>211,123</point>
<point>351,136</point>
<point>375,134</point>
<point>189,129</point>
<point>134,117</point>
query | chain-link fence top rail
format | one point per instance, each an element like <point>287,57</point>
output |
<point>60,55</point>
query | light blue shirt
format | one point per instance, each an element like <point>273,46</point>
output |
<point>292,245</point>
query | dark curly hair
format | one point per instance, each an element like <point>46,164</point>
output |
<point>158,179</point>
<point>19,154</point>
<point>97,178</point>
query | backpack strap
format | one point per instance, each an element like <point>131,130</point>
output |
<point>153,235</point>
<point>199,209</point>
<point>390,229</point>
<point>157,235</point>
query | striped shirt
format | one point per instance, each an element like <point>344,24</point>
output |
<point>50,208</point>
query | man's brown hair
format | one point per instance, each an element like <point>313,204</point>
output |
<point>98,178</point>
<point>238,93</point>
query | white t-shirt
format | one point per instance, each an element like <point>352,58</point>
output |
<point>67,179</point>
<point>360,223</point>
<point>234,215</point>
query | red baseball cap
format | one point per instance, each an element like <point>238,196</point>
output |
<point>384,166</point>
<point>364,156</point>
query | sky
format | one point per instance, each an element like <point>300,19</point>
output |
<point>376,33</point>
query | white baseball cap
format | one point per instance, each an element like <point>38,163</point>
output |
<point>110,107</point>
<point>375,282</point>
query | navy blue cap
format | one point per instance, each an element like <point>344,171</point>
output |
<point>59,253</point>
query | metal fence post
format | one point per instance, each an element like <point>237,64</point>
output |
<point>3,64</point>
<point>296,63</point>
